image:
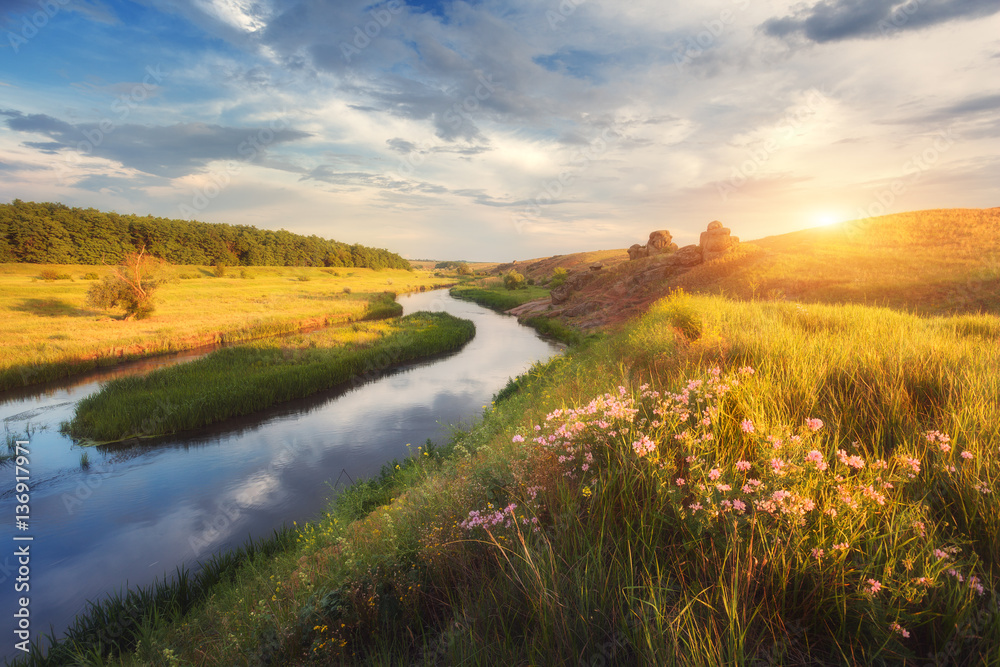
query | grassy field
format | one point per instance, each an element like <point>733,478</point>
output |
<point>718,482</point>
<point>48,331</point>
<point>933,262</point>
<point>251,377</point>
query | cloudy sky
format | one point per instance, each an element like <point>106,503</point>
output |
<point>499,130</point>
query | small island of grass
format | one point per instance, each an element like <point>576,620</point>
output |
<point>249,378</point>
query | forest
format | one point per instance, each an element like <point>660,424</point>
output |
<point>51,233</point>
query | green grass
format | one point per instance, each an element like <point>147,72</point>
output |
<point>249,378</point>
<point>629,566</point>
<point>48,331</point>
<point>493,295</point>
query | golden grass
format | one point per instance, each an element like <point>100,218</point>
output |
<point>47,330</point>
<point>932,262</point>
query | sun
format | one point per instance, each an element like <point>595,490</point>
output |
<point>825,218</point>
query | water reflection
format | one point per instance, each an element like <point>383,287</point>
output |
<point>140,511</point>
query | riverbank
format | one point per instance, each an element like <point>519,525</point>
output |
<point>48,331</point>
<point>249,378</point>
<point>490,293</point>
<point>717,483</point>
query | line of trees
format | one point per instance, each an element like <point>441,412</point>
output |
<point>48,233</point>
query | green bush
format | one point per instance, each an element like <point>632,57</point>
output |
<point>112,292</point>
<point>558,277</point>
<point>220,270</point>
<point>52,274</point>
<point>513,280</point>
<point>90,276</point>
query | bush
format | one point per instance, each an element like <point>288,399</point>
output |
<point>220,270</point>
<point>115,293</point>
<point>558,277</point>
<point>304,279</point>
<point>90,276</point>
<point>52,274</point>
<point>464,269</point>
<point>130,287</point>
<point>244,274</point>
<point>513,280</point>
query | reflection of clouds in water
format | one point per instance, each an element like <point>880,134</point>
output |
<point>256,491</point>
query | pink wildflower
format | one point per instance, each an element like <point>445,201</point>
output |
<point>816,458</point>
<point>776,466</point>
<point>818,553</point>
<point>814,424</point>
<point>743,466</point>
<point>896,627</point>
<point>694,507</point>
<point>874,586</point>
<point>747,426</point>
<point>940,438</point>
<point>714,474</point>
<point>517,438</point>
<point>967,455</point>
<point>680,481</point>
<point>739,506</point>
<point>643,446</point>
<point>723,488</point>
<point>842,546</point>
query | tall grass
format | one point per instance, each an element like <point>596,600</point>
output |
<point>717,483</point>
<point>246,379</point>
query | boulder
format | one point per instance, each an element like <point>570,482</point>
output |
<point>716,241</point>
<point>637,251</point>
<point>596,266</point>
<point>660,241</point>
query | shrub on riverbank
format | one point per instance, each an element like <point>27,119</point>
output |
<point>249,378</point>
<point>718,483</point>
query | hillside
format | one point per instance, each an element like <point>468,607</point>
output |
<point>47,233</point>
<point>941,261</point>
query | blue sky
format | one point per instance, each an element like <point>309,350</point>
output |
<point>496,130</point>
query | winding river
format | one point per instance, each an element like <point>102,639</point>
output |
<point>138,512</point>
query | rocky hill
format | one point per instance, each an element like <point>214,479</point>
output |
<point>930,262</point>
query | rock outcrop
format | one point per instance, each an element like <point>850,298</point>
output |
<point>659,242</point>
<point>716,241</point>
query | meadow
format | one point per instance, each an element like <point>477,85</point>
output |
<point>716,482</point>
<point>253,376</point>
<point>49,331</point>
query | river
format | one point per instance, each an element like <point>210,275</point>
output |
<point>140,511</point>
